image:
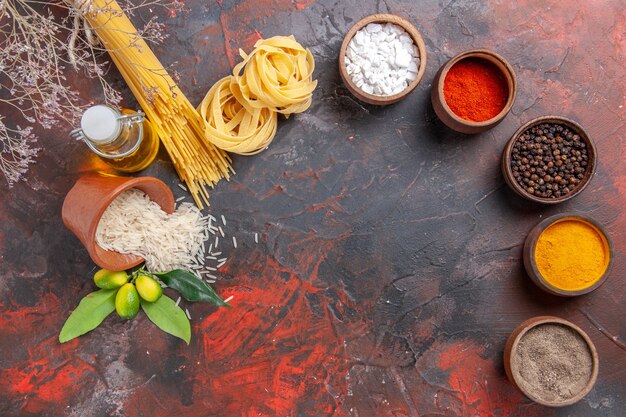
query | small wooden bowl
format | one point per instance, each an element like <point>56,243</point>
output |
<point>513,342</point>
<point>579,130</point>
<point>445,113</point>
<point>417,40</point>
<point>89,198</point>
<point>530,263</point>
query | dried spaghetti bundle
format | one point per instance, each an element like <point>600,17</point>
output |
<point>240,111</point>
<point>179,126</point>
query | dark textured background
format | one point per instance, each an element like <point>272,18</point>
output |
<point>388,273</point>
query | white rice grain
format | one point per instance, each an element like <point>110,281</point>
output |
<point>134,224</point>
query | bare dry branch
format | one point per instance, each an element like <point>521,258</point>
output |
<point>39,51</point>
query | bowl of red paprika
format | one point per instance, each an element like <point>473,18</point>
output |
<point>474,91</point>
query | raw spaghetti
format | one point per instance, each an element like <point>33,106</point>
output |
<point>179,126</point>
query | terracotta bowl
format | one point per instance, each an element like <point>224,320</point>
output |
<point>511,347</point>
<point>578,129</point>
<point>445,113</point>
<point>530,263</point>
<point>417,40</point>
<point>89,198</point>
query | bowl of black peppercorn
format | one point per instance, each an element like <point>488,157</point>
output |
<point>549,160</point>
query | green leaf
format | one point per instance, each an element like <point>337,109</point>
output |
<point>91,311</point>
<point>190,286</point>
<point>168,317</point>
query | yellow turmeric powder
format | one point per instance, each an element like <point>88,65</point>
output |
<point>572,254</point>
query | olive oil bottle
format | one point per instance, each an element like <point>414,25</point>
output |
<point>125,139</point>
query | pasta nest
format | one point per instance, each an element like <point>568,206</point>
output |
<point>278,74</point>
<point>241,111</point>
<point>230,126</point>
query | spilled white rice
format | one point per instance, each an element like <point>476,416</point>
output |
<point>136,225</point>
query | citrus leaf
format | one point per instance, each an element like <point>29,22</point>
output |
<point>191,287</point>
<point>168,317</point>
<point>91,311</point>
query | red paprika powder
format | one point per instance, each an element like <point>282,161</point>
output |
<point>475,89</point>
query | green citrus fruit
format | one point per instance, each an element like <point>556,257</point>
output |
<point>109,280</point>
<point>148,288</point>
<point>127,301</point>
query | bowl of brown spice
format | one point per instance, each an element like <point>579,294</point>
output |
<point>551,361</point>
<point>549,160</point>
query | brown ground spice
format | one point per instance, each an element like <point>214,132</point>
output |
<point>553,361</point>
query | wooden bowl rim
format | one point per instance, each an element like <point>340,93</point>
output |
<point>531,243</point>
<point>417,40</point>
<point>492,57</point>
<point>533,322</point>
<point>589,173</point>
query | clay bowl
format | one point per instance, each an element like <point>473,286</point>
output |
<point>417,40</point>
<point>578,129</point>
<point>89,198</point>
<point>448,117</point>
<point>530,263</point>
<point>512,372</point>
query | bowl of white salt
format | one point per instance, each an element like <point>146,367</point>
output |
<point>90,197</point>
<point>382,59</point>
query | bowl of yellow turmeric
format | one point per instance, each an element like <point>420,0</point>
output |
<point>568,254</point>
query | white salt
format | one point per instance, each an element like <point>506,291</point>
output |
<point>382,59</point>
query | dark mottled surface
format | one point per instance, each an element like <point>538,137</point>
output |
<point>388,273</point>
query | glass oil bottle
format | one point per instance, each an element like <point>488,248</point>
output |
<point>124,140</point>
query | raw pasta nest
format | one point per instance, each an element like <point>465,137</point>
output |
<point>278,74</point>
<point>232,127</point>
<point>240,111</point>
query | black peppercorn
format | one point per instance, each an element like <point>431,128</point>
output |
<point>549,160</point>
